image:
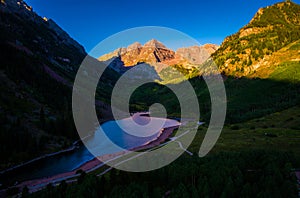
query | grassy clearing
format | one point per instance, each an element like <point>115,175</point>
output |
<point>287,71</point>
<point>251,134</point>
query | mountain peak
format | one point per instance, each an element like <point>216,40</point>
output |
<point>134,45</point>
<point>280,13</point>
<point>155,43</point>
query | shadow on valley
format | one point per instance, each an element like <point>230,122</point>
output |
<point>253,173</point>
<point>246,98</point>
<point>41,101</point>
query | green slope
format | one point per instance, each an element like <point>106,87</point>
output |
<point>271,29</point>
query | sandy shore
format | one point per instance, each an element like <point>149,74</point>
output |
<point>94,163</point>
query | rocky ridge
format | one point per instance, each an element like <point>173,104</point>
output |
<point>156,54</point>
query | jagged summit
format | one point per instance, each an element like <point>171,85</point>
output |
<point>135,49</point>
<point>155,43</point>
<point>134,45</point>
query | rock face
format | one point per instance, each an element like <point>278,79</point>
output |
<point>197,54</point>
<point>151,52</point>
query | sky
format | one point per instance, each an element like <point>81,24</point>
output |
<point>92,21</point>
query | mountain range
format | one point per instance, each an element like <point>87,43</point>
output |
<point>159,58</point>
<point>154,51</point>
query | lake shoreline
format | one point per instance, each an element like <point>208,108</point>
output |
<point>71,148</point>
<point>95,163</point>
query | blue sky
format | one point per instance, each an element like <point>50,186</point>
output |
<point>91,21</point>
